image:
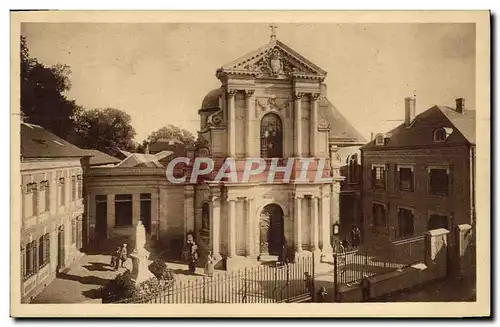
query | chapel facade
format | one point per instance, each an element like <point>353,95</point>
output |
<point>271,104</point>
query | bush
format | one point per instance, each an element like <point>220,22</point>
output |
<point>122,287</point>
<point>160,270</point>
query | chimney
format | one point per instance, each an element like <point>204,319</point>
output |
<point>460,105</point>
<point>146,150</point>
<point>371,136</point>
<point>410,104</point>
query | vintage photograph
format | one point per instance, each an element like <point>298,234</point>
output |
<point>268,162</point>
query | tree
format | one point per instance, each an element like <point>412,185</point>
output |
<point>171,132</point>
<point>108,130</point>
<point>43,99</point>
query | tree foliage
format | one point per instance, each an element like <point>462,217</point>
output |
<point>168,132</point>
<point>108,130</point>
<point>43,99</point>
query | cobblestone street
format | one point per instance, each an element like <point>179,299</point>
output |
<point>83,280</point>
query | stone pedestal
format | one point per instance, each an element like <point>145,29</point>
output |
<point>140,266</point>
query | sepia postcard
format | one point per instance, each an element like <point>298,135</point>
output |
<point>250,164</point>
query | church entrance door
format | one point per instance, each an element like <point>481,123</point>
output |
<point>272,234</point>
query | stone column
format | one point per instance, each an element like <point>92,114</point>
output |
<point>250,233</point>
<point>231,216</point>
<point>111,213</point>
<point>325,224</point>
<point>248,122</point>
<point>297,219</point>
<point>313,124</point>
<point>231,136</point>
<point>136,208</point>
<point>298,124</point>
<point>315,224</point>
<point>215,226</point>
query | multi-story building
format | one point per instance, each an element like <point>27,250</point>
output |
<point>52,207</point>
<point>421,175</point>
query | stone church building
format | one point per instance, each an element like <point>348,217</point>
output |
<point>271,104</point>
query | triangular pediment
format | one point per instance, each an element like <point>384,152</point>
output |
<point>274,60</point>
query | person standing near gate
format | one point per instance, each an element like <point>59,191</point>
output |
<point>284,255</point>
<point>209,267</point>
<point>355,236</point>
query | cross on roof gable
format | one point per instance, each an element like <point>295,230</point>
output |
<point>275,59</point>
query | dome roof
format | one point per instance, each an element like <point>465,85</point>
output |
<point>211,100</point>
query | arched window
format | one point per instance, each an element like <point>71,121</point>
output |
<point>271,136</point>
<point>439,135</point>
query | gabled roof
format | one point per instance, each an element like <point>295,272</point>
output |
<point>163,154</point>
<point>100,158</point>
<point>341,131</point>
<point>140,160</point>
<point>420,131</point>
<point>37,142</point>
<point>258,63</point>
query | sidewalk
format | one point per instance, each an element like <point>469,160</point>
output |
<point>81,282</point>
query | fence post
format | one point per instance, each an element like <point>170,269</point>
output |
<point>245,287</point>
<point>313,278</point>
<point>335,277</point>
<point>204,288</point>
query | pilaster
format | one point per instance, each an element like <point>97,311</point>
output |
<point>298,124</point>
<point>231,123</point>
<point>250,103</point>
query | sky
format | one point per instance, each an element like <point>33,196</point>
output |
<point>159,73</point>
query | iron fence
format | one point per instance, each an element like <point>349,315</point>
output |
<point>292,282</point>
<point>352,265</point>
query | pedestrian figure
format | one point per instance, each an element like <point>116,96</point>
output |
<point>193,258</point>
<point>209,267</point>
<point>284,255</point>
<point>309,283</point>
<point>346,245</point>
<point>355,236</point>
<point>322,295</point>
<point>123,255</point>
<point>115,258</point>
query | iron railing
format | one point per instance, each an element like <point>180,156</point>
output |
<point>352,265</point>
<point>260,284</point>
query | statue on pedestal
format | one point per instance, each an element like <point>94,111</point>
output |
<point>140,256</point>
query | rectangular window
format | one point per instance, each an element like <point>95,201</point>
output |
<point>43,250</point>
<point>73,188</point>
<point>146,210</point>
<point>29,260</point>
<point>379,215</point>
<point>73,231</point>
<point>123,210</point>
<point>79,186</point>
<point>34,198</point>
<point>405,177</point>
<point>28,202</point>
<point>439,181</point>
<point>405,222</point>
<point>438,221</point>
<point>62,192</point>
<point>378,176</point>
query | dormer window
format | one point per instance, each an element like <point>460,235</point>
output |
<point>441,134</point>
<point>379,139</point>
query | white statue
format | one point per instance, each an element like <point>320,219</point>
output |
<point>140,256</point>
<point>140,236</point>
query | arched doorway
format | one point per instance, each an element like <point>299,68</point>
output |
<point>272,232</point>
<point>271,136</point>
